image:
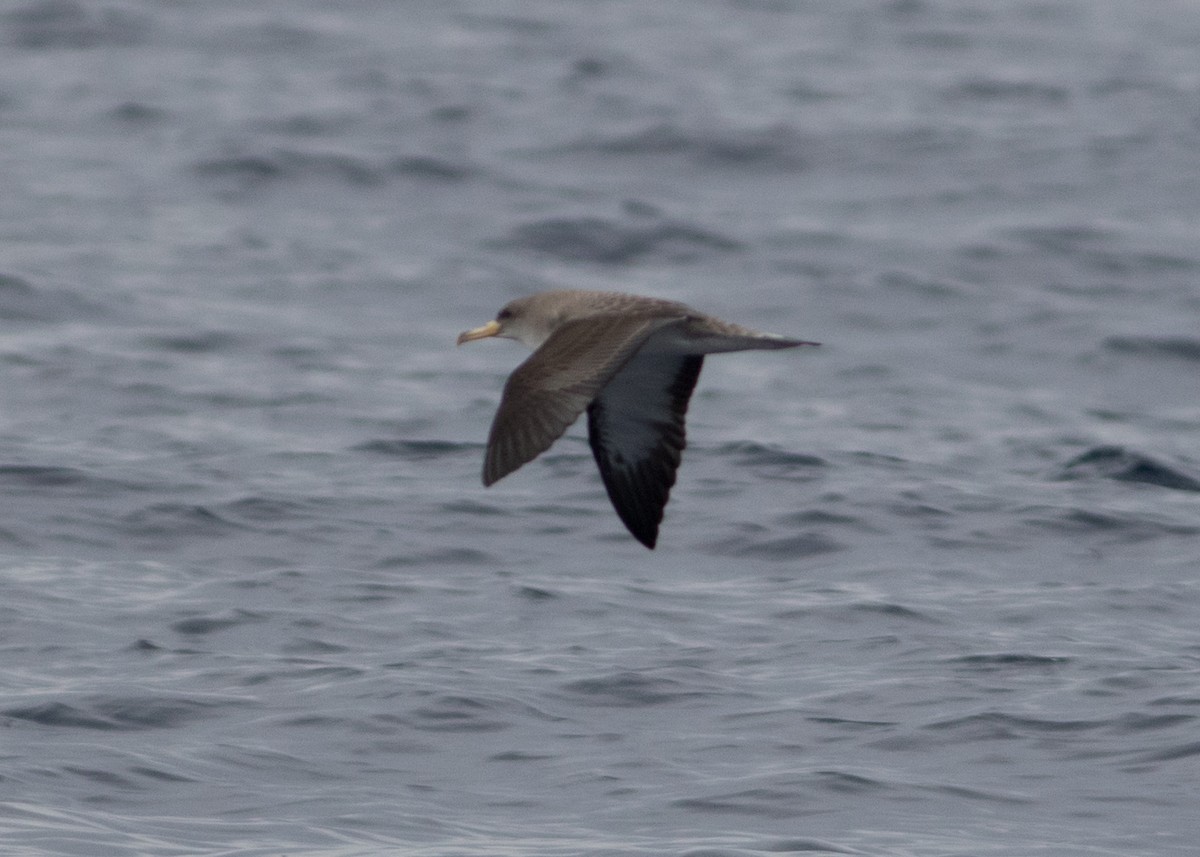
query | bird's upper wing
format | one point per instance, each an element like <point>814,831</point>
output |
<point>549,391</point>
<point>636,430</point>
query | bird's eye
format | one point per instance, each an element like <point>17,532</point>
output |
<point>504,314</point>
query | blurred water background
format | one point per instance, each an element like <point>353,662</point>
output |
<point>931,589</point>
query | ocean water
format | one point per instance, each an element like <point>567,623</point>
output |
<point>930,589</point>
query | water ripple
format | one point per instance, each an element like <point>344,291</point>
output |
<point>608,242</point>
<point>1174,347</point>
<point>1125,465</point>
<point>626,689</point>
<point>116,713</point>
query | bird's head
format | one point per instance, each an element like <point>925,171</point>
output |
<point>517,321</point>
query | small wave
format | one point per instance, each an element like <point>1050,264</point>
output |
<point>57,480</point>
<point>1186,750</point>
<point>781,549</point>
<point>42,477</point>
<point>1009,661</point>
<point>491,508</point>
<point>753,453</point>
<point>1100,248</point>
<point>247,171</point>
<point>192,342</point>
<point>21,300</point>
<point>137,113</point>
<point>198,625</point>
<point>1117,462</point>
<point>270,35</point>
<point>415,450</point>
<point>1176,347</point>
<point>788,795</point>
<point>919,284</point>
<point>430,167</point>
<point>159,775</point>
<point>449,713</point>
<point>994,725</point>
<point>1064,239</point>
<point>977,794</point>
<point>519,24</point>
<point>775,147</point>
<point>803,846</point>
<point>445,556</point>
<point>534,593</point>
<point>243,168</point>
<point>1132,724</point>
<point>262,510</point>
<point>607,242</point>
<point>992,89</point>
<point>870,611</point>
<point>885,609</point>
<point>113,713</point>
<point>1124,527</point>
<point>519,756</point>
<point>843,782</point>
<point>771,462</point>
<point>764,802</point>
<point>630,689</point>
<point>177,519</point>
<point>854,726</point>
<point>55,24</point>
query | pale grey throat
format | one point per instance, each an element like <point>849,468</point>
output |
<point>631,362</point>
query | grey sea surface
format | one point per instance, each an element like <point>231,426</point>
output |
<point>930,589</point>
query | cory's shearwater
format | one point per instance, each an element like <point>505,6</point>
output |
<point>631,362</point>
